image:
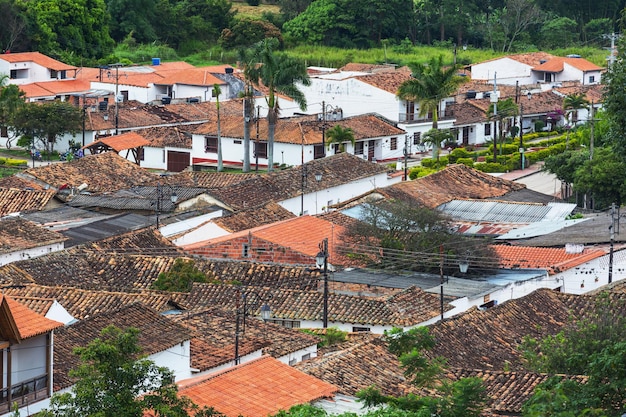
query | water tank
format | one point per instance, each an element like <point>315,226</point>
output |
<point>156,61</point>
<point>228,70</point>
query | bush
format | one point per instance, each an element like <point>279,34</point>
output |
<point>489,167</point>
<point>16,162</point>
<point>419,172</point>
<point>466,161</point>
<point>458,153</point>
<point>539,125</point>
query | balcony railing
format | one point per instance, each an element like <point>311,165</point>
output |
<point>414,118</point>
<point>24,393</point>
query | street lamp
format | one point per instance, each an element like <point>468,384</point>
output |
<point>321,259</point>
<point>318,178</point>
<point>521,131</point>
<point>117,85</point>
<point>243,310</point>
<point>160,197</point>
<point>336,113</point>
<point>463,267</point>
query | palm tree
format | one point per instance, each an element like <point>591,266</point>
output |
<point>428,86</point>
<point>216,92</point>
<point>339,135</point>
<point>248,63</point>
<point>436,137</point>
<point>279,74</point>
<point>573,103</point>
<point>505,110</point>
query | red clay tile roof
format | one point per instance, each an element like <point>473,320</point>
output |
<point>166,136</point>
<point>303,129</point>
<point>36,90</point>
<point>63,86</point>
<point>38,58</point>
<point>157,333</point>
<point>15,201</point>
<point>558,64</point>
<point>18,234</point>
<point>555,260</point>
<point>255,389</point>
<point>454,182</point>
<point>208,179</point>
<point>388,81</point>
<point>530,58</point>
<point>16,317</point>
<point>358,67</point>
<point>254,217</point>
<point>121,142</point>
<point>102,172</point>
<point>196,76</point>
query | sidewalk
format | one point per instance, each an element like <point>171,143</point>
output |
<point>521,173</point>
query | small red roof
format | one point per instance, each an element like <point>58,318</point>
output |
<point>555,260</point>
<point>37,58</point>
<point>19,322</point>
<point>196,76</point>
<point>257,388</point>
<point>121,142</point>
<point>558,64</point>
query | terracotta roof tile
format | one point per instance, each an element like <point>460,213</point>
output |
<point>16,201</point>
<point>121,142</point>
<point>555,260</point>
<point>166,136</point>
<point>408,308</point>
<point>102,172</point>
<point>255,389</point>
<point>27,322</point>
<point>59,87</point>
<point>157,333</point>
<point>38,58</point>
<point>208,179</point>
<point>530,58</point>
<point>18,234</point>
<point>557,64</point>
<point>281,185</point>
<point>18,182</point>
<point>387,80</point>
<point>454,182</point>
<point>195,76</point>
<point>254,217</point>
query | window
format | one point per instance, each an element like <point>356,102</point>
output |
<point>4,132</point>
<point>245,251</point>
<point>53,74</point>
<point>358,148</point>
<point>360,329</point>
<point>210,144</point>
<point>13,74</point>
<point>291,324</point>
<point>592,79</point>
<point>393,144</point>
<point>417,138</point>
<point>306,357</point>
<point>487,129</point>
<point>410,110</point>
<point>318,151</point>
<point>337,148</point>
<point>260,150</point>
<point>292,362</point>
<point>237,142</point>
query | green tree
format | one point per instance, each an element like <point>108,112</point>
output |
<point>216,93</point>
<point>410,237</point>
<point>603,177</point>
<point>246,32</point>
<point>462,398</point>
<point>428,86</point>
<point>339,135</point>
<point>565,164</point>
<point>505,110</point>
<point>14,28</point>
<point>180,277</point>
<point>47,121</point>
<point>558,32</point>
<point>72,29</point>
<point>114,380</point>
<point>292,8</point>
<point>11,100</point>
<point>435,137</point>
<point>593,346</point>
<point>571,104</point>
<point>614,102</point>
<point>279,74</point>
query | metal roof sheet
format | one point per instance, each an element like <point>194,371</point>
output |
<point>504,212</point>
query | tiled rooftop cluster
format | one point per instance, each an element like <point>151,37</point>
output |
<point>18,234</point>
<point>19,195</point>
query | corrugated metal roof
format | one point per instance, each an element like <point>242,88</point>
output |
<point>503,212</point>
<point>137,198</point>
<point>539,229</point>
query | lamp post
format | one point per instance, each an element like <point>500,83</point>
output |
<point>521,132</point>
<point>303,185</point>
<point>243,310</point>
<point>321,260</point>
<point>160,196</point>
<point>256,150</point>
<point>463,267</point>
<point>117,85</point>
<point>318,179</point>
<point>337,114</point>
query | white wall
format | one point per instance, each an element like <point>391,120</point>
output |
<point>297,355</point>
<point>7,258</point>
<point>352,95</point>
<point>507,71</point>
<point>315,203</point>
<point>29,359</point>
<point>58,313</point>
<point>177,358</point>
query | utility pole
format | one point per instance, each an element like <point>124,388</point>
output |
<point>591,133</point>
<point>612,232</point>
<point>441,276</point>
<point>406,156</point>
<point>256,151</point>
<point>494,100</point>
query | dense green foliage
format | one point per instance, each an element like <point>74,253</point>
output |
<point>42,124</point>
<point>114,380</point>
<point>180,277</point>
<point>592,346</point>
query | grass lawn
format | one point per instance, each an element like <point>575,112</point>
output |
<point>254,12</point>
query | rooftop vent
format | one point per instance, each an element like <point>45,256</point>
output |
<point>470,94</point>
<point>543,61</point>
<point>228,70</point>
